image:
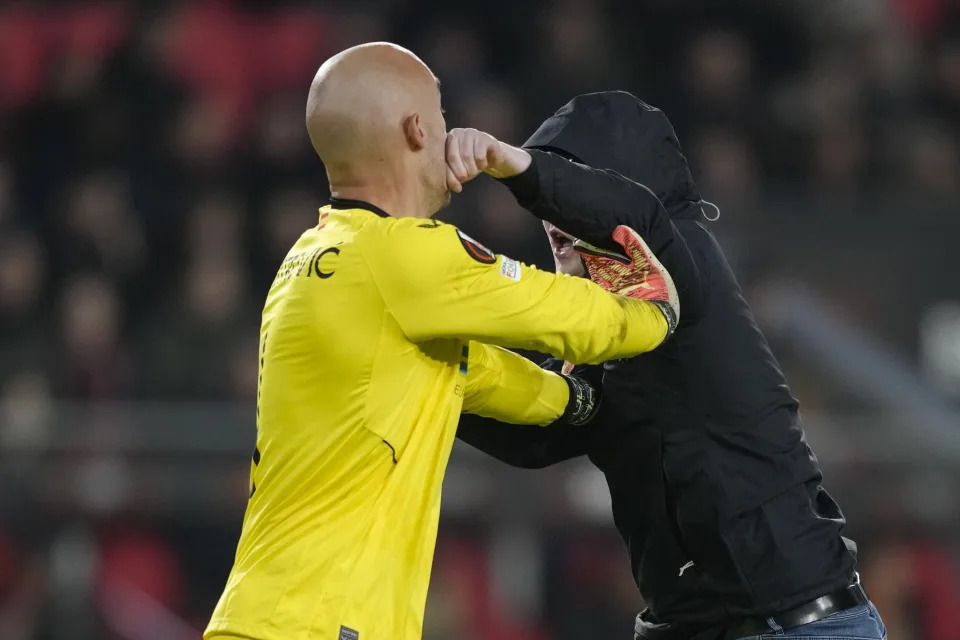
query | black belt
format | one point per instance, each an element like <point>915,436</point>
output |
<point>818,609</point>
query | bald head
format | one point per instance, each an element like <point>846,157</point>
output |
<point>374,109</point>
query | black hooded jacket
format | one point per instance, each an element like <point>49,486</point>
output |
<point>699,440</point>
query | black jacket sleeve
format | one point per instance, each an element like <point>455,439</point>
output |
<point>524,446</point>
<point>590,203</point>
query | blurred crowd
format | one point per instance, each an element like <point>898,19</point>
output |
<point>154,169</point>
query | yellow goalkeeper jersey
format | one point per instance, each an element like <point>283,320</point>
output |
<point>376,334</point>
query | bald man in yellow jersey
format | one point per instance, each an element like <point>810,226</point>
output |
<point>377,332</point>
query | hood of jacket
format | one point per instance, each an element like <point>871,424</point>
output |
<point>616,130</point>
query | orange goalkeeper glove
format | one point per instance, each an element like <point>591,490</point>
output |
<point>634,274</point>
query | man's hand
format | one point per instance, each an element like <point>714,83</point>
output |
<point>637,274</point>
<point>471,152</point>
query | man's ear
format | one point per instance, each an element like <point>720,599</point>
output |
<point>414,133</point>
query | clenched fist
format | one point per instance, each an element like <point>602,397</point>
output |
<point>471,152</point>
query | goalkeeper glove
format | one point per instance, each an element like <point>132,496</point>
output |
<point>586,389</point>
<point>637,274</point>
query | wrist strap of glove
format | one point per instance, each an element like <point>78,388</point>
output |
<point>669,315</point>
<point>584,401</point>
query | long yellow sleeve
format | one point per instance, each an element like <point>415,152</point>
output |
<point>437,283</point>
<point>510,388</point>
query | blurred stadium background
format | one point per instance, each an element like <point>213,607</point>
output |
<point>154,168</point>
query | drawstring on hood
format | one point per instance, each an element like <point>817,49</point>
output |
<point>714,217</point>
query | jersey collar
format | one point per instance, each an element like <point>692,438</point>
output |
<point>347,203</point>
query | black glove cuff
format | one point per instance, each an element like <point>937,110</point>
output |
<point>584,402</point>
<point>668,315</point>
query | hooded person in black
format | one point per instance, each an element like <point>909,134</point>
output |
<point>714,489</point>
